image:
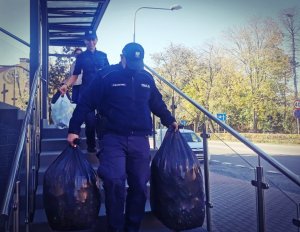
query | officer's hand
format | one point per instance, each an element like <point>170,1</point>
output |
<point>63,89</point>
<point>71,138</point>
<point>175,126</point>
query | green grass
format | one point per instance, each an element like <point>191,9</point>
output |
<point>261,138</point>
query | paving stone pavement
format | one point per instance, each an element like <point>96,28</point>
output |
<point>234,206</point>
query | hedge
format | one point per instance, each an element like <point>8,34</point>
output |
<point>261,138</point>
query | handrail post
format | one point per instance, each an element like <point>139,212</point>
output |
<point>296,221</point>
<point>27,188</point>
<point>16,208</point>
<point>260,207</point>
<point>154,132</point>
<point>208,204</point>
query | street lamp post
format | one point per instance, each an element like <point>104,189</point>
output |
<point>175,7</point>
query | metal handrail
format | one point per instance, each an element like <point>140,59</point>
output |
<point>280,167</point>
<point>5,209</point>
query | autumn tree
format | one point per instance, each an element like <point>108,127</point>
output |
<point>292,28</point>
<point>257,49</point>
<point>59,70</point>
<point>177,64</point>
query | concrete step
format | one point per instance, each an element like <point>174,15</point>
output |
<point>39,192</point>
<point>58,144</point>
<point>47,157</point>
<point>39,202</point>
<point>40,215</point>
<point>149,224</point>
<point>53,132</point>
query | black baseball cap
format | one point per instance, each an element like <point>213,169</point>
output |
<point>90,35</point>
<point>134,54</point>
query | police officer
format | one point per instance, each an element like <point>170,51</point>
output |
<point>87,63</point>
<point>78,82</point>
<point>125,95</point>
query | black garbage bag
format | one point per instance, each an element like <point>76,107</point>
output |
<point>71,192</point>
<point>176,184</point>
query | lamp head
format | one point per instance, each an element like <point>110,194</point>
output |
<point>176,7</point>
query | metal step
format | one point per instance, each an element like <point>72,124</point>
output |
<point>149,224</point>
<point>58,144</point>
<point>52,132</point>
<point>47,157</point>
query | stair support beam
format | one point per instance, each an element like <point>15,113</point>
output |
<point>27,188</point>
<point>16,208</point>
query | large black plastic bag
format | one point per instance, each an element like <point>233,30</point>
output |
<point>176,187</point>
<point>71,192</point>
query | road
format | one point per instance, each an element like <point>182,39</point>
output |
<point>236,160</point>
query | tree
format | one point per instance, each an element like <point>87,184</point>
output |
<point>257,49</point>
<point>288,18</point>
<point>248,79</point>
<point>177,64</point>
<point>59,70</point>
<point>230,95</point>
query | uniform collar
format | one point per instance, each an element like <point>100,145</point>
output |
<point>90,52</point>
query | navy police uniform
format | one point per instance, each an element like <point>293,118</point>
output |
<point>89,63</point>
<point>125,98</point>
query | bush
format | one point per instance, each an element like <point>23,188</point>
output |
<point>261,138</point>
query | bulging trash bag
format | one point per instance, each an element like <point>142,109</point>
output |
<point>71,192</point>
<point>176,184</point>
<point>61,110</point>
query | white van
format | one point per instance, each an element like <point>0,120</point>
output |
<point>193,140</point>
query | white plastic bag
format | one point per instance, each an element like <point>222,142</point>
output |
<point>61,112</point>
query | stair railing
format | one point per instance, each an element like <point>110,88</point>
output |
<point>28,144</point>
<point>259,182</point>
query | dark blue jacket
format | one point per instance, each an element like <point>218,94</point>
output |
<point>125,99</point>
<point>89,63</point>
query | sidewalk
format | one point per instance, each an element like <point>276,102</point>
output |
<point>234,209</point>
<point>271,149</point>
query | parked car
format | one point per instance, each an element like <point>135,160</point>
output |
<point>193,140</point>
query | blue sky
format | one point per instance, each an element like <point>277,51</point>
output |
<point>198,21</point>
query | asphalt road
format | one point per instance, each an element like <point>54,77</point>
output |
<point>236,160</point>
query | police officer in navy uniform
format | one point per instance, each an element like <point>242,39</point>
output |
<point>125,95</point>
<point>78,82</point>
<point>88,63</point>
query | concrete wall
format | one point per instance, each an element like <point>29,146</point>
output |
<point>10,125</point>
